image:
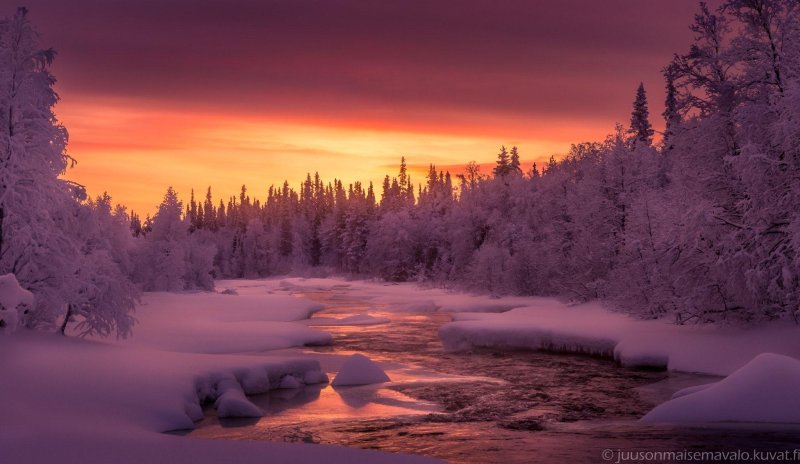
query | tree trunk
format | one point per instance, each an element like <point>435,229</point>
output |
<point>63,329</point>
<point>2,217</point>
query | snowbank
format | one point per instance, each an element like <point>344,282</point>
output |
<point>550,324</point>
<point>407,297</point>
<point>359,370</point>
<point>87,401</point>
<point>764,390</point>
<point>592,329</point>
<point>217,323</point>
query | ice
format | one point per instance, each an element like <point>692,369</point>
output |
<point>764,390</point>
<point>359,370</point>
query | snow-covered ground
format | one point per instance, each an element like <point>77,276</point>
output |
<point>216,323</point>
<point>74,400</point>
<point>69,400</point>
<point>590,328</point>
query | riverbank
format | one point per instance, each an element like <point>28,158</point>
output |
<point>70,400</point>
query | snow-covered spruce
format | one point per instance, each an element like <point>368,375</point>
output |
<point>70,253</point>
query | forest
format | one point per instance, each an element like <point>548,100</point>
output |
<point>698,224</point>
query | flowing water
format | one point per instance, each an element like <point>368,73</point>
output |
<point>483,406</point>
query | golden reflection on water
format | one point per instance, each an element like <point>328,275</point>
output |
<point>328,403</point>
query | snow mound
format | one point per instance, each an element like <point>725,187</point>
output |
<point>764,390</point>
<point>359,370</point>
<point>690,390</point>
<point>12,299</point>
<point>289,382</point>
<point>231,401</point>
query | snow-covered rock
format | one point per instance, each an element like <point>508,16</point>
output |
<point>359,370</point>
<point>253,381</point>
<point>764,390</point>
<point>290,381</point>
<point>231,401</point>
<point>13,298</point>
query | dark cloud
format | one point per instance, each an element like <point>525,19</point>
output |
<point>363,59</point>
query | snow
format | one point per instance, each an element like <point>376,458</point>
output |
<point>231,401</point>
<point>551,324</point>
<point>690,390</point>
<point>218,323</point>
<point>359,370</point>
<point>91,401</point>
<point>403,297</point>
<point>593,329</point>
<point>764,390</point>
<point>12,298</point>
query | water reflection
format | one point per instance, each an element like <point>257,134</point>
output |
<point>318,403</point>
<point>481,406</point>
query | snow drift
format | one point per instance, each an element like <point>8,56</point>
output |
<point>764,390</point>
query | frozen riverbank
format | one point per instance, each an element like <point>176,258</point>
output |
<point>68,400</point>
<point>592,329</point>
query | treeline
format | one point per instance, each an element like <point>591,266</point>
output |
<point>701,226</point>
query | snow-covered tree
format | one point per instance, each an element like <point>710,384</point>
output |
<point>169,259</point>
<point>641,129</point>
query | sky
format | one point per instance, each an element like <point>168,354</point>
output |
<point>198,93</point>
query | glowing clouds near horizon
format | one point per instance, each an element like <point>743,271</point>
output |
<point>134,152</point>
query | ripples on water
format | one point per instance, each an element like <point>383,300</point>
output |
<point>482,406</point>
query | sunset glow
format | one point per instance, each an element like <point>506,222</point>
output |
<point>134,152</point>
<point>343,89</point>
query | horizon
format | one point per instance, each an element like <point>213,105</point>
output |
<point>154,106</point>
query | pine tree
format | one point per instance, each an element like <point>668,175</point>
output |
<point>503,163</point>
<point>671,116</point>
<point>640,119</point>
<point>514,163</point>
<point>209,215</point>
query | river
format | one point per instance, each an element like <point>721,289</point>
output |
<point>480,406</point>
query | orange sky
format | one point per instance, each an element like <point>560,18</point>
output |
<point>192,93</point>
<point>135,151</point>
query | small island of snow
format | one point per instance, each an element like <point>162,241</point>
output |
<point>359,370</point>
